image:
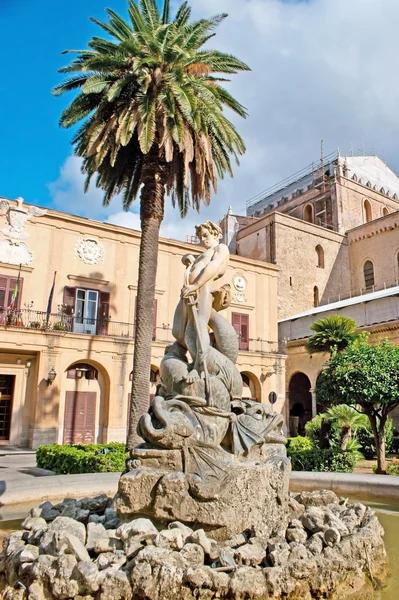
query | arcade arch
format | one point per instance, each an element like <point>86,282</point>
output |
<point>251,386</point>
<point>300,403</point>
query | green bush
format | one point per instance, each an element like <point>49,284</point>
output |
<point>81,458</point>
<point>393,468</point>
<point>309,458</point>
<point>366,439</point>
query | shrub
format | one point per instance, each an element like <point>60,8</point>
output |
<point>366,439</point>
<point>393,468</point>
<point>81,458</point>
<point>305,458</point>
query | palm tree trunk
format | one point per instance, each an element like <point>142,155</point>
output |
<point>151,216</point>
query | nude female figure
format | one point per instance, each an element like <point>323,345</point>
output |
<point>202,272</point>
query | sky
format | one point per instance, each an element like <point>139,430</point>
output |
<point>321,70</point>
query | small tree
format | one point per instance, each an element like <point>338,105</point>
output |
<point>365,376</point>
<point>331,333</point>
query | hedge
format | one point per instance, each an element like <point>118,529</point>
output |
<point>82,458</point>
<point>304,457</point>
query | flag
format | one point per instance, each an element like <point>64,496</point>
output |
<point>50,298</point>
<point>15,292</point>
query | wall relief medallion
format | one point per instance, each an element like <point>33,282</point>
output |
<point>16,217</point>
<point>90,250</point>
<point>13,253</point>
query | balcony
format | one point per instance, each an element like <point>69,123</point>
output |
<point>65,324</point>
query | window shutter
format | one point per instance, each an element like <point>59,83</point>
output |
<point>103,314</point>
<point>69,299</point>
<point>240,323</point>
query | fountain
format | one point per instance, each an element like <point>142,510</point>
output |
<point>203,510</point>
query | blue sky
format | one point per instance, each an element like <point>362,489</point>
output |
<point>320,70</point>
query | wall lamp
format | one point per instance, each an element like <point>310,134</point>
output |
<point>51,376</point>
<point>28,366</point>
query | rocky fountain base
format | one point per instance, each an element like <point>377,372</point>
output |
<point>81,550</point>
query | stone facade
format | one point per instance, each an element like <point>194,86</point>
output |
<point>333,232</point>
<point>101,261</point>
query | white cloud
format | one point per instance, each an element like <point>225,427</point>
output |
<point>320,70</point>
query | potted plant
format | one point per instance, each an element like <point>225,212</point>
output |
<point>35,324</point>
<point>59,326</point>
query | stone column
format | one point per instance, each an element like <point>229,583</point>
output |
<point>314,403</point>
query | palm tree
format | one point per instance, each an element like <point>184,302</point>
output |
<point>151,106</point>
<point>348,419</point>
<point>333,333</point>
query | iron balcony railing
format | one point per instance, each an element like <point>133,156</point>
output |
<point>65,324</point>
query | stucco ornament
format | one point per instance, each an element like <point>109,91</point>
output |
<point>90,250</point>
<point>16,217</point>
<point>202,438</point>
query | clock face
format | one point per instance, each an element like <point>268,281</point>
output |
<point>239,283</point>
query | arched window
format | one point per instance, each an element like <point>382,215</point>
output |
<point>320,256</point>
<point>368,271</point>
<point>384,211</point>
<point>308,213</point>
<point>316,301</point>
<point>367,211</point>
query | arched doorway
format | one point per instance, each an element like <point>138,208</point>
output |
<point>250,386</point>
<point>300,400</point>
<point>308,213</point>
<point>85,407</point>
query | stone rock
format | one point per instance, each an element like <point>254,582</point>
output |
<point>46,505</point>
<point>87,575</point>
<point>95,532</point>
<point>249,555</point>
<point>132,547</point>
<point>313,519</point>
<point>44,568</point>
<point>157,557</point>
<point>226,558</point>
<point>35,512</point>
<point>247,582</point>
<point>193,555</point>
<point>62,526</point>
<point>186,531</point>
<point>333,522</point>
<point>115,585</point>
<point>279,583</point>
<point>315,543</point>
<point>107,545</point>
<point>298,551</point>
<point>296,534</point>
<point>317,498</point>
<point>29,553</point>
<point>137,528</point>
<point>107,559</point>
<point>37,591</point>
<point>97,519</point>
<point>142,581</point>
<point>238,540</point>
<point>199,537</point>
<point>74,546</point>
<point>170,538</point>
<point>254,495</point>
<point>295,509</point>
<point>50,515</point>
<point>34,523</point>
<point>95,505</point>
<point>278,554</point>
<point>63,585</point>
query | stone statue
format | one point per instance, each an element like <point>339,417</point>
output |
<point>199,433</point>
<point>16,218</point>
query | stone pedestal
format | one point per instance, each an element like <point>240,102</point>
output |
<point>253,496</point>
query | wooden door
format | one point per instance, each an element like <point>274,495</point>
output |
<point>80,417</point>
<point>6,397</point>
<point>240,322</point>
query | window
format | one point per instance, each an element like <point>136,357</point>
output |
<point>368,271</point>
<point>240,323</point>
<point>320,256</point>
<point>316,300</point>
<point>367,211</point>
<point>7,287</point>
<point>384,211</point>
<point>308,213</point>
<point>90,309</point>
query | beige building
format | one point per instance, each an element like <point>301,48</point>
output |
<point>65,373</point>
<point>333,231</point>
